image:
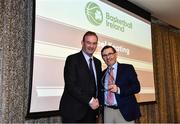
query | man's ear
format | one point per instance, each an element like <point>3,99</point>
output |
<point>82,42</point>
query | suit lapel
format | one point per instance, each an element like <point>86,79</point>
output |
<point>119,73</point>
<point>83,63</point>
<point>96,67</point>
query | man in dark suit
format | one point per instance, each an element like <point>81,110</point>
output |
<point>82,74</point>
<point>120,84</point>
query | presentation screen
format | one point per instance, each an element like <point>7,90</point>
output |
<point>59,28</point>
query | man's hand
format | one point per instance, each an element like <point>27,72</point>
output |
<point>113,88</point>
<point>94,104</point>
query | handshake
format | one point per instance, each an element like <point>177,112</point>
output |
<point>94,104</point>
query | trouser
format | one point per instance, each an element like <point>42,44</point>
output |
<point>114,116</point>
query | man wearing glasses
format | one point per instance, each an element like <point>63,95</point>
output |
<point>120,84</point>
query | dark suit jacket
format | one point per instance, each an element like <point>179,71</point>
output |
<point>79,86</point>
<point>128,83</point>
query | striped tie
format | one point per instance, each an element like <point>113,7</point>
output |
<point>110,99</point>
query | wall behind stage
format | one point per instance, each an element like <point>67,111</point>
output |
<point>167,79</point>
<point>15,49</point>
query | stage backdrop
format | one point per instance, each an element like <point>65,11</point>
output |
<point>59,27</point>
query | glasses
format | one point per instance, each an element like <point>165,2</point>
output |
<point>107,55</point>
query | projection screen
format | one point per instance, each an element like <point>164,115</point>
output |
<point>59,27</point>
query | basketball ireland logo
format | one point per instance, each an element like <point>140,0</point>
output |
<point>94,13</point>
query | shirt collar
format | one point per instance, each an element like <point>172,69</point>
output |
<point>87,57</point>
<point>114,66</point>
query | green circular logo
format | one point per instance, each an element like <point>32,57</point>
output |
<point>94,13</point>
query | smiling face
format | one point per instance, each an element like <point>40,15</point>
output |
<point>89,44</point>
<point>109,56</point>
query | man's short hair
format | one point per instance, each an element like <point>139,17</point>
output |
<point>90,33</point>
<point>107,47</point>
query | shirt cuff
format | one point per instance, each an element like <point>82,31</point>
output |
<point>118,90</point>
<point>91,100</point>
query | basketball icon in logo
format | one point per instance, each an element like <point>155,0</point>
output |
<point>94,13</point>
